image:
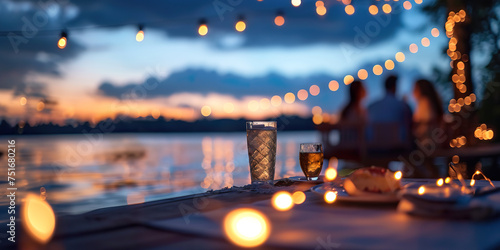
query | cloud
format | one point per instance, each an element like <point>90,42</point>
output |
<point>205,81</point>
<point>28,46</point>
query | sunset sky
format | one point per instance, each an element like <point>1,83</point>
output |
<point>175,72</point>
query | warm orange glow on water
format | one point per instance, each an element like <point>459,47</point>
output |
<point>38,218</point>
<point>298,197</point>
<point>240,26</point>
<point>246,227</point>
<point>282,201</point>
<point>333,85</point>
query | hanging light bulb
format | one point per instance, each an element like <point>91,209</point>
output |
<point>63,41</point>
<point>203,29</point>
<point>240,25</point>
<point>140,34</point>
<point>279,20</point>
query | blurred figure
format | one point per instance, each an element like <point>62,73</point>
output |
<point>391,110</point>
<point>429,111</point>
<point>354,110</point>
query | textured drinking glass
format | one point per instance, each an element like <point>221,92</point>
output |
<point>261,144</point>
<point>311,160</point>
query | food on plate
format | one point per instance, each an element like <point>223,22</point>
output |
<point>369,180</point>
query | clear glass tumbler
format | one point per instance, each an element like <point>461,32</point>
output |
<point>261,143</point>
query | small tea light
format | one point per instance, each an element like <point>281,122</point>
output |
<point>282,201</point>
<point>440,182</point>
<point>421,190</point>
<point>330,197</point>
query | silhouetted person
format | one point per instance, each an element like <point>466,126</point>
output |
<point>354,110</point>
<point>429,111</point>
<point>390,109</point>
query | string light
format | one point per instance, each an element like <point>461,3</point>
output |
<point>240,25</point>
<point>387,8</point>
<point>373,9</point>
<point>296,3</point>
<point>279,20</point>
<point>203,28</point>
<point>63,41</point>
<point>349,9</point>
<point>140,34</point>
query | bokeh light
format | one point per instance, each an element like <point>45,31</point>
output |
<point>139,36</point>
<point>38,218</point>
<point>373,9</point>
<point>440,182</point>
<point>333,85</point>
<point>203,29</point>
<point>265,103</point>
<point>314,90</point>
<point>228,107</point>
<point>279,20</point>
<point>413,48</point>
<point>282,201</point>
<point>389,64</point>
<point>330,197</point>
<point>455,159</point>
<point>330,174</point>
<point>23,101</point>
<point>276,101</point>
<point>246,227</point>
<point>421,190</point>
<point>387,8</point>
<point>316,110</point>
<point>206,110</point>
<point>362,74</point>
<point>435,32</point>
<point>321,10</point>
<point>349,9</point>
<point>378,70</point>
<point>63,41</point>
<point>289,98</point>
<point>348,79</point>
<point>298,197</point>
<point>400,57</point>
<point>296,3</point>
<point>253,105</point>
<point>302,94</point>
<point>398,175</point>
<point>425,42</point>
<point>240,26</point>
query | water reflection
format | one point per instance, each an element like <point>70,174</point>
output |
<point>78,173</point>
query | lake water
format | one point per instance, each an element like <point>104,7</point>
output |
<point>79,173</point>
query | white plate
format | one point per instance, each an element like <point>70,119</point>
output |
<point>342,195</point>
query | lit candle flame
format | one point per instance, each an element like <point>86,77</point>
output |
<point>472,182</point>
<point>282,201</point>
<point>447,180</point>
<point>246,227</point>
